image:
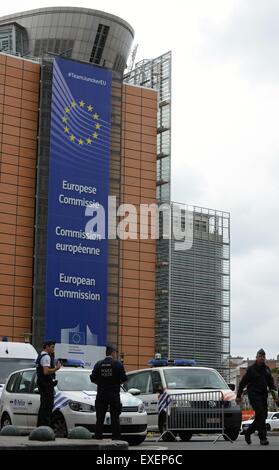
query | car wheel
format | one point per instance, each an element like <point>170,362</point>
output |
<point>268,427</point>
<point>166,436</point>
<point>6,420</point>
<point>185,436</point>
<point>134,440</point>
<point>231,433</point>
<point>59,426</point>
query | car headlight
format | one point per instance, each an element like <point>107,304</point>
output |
<point>230,404</point>
<point>141,408</point>
<point>83,407</point>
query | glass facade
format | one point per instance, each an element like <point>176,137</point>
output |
<point>13,39</point>
<point>200,291</point>
<point>80,33</point>
<point>156,74</point>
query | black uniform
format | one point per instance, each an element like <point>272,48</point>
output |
<point>258,379</point>
<point>108,374</point>
<point>46,389</point>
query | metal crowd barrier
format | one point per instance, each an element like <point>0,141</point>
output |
<point>198,412</point>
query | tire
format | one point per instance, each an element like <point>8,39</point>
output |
<point>268,427</point>
<point>6,420</point>
<point>59,426</point>
<point>185,436</point>
<point>232,434</point>
<point>134,440</point>
<point>166,436</point>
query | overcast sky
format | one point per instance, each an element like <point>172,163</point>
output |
<point>225,146</point>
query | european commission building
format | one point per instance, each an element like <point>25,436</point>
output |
<point>151,296</point>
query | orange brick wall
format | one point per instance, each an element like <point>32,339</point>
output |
<point>19,95</point>
<point>19,88</point>
<point>137,257</point>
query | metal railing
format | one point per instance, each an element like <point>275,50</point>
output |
<point>196,412</point>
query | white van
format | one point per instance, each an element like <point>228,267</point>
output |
<point>15,356</point>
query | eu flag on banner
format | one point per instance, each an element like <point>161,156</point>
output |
<point>76,337</point>
<point>163,401</point>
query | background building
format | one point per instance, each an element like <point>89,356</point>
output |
<point>192,286</point>
<point>200,292</point>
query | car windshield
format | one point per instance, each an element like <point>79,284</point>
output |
<point>194,379</point>
<point>77,380</point>
<point>8,365</point>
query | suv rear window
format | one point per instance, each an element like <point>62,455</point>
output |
<point>8,365</point>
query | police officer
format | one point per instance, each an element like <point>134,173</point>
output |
<point>46,382</point>
<point>258,379</point>
<point>108,374</point>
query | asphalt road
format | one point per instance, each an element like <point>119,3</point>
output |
<point>207,443</point>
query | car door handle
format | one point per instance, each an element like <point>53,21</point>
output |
<point>154,403</point>
<point>30,403</point>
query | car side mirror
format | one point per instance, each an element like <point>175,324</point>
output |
<point>36,390</point>
<point>232,387</point>
<point>134,391</point>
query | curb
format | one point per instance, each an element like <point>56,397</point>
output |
<point>23,443</point>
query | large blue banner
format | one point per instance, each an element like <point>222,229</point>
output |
<point>76,279</point>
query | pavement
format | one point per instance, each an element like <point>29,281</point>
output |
<point>23,443</point>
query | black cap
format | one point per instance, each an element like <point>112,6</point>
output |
<point>261,352</point>
<point>110,349</point>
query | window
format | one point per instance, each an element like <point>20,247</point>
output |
<point>99,44</point>
<point>25,382</point>
<point>156,381</point>
<point>11,384</point>
<point>141,381</point>
<point>9,365</point>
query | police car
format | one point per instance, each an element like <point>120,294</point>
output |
<point>168,378</point>
<point>74,405</point>
<point>271,422</point>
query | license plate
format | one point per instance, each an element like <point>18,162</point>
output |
<point>123,420</point>
<point>213,420</point>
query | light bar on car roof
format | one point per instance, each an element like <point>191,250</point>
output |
<point>163,362</point>
<point>71,362</point>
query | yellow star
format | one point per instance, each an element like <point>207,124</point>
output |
<point>80,142</point>
<point>98,126</point>
<point>73,104</point>
<point>95,116</point>
<point>88,140</point>
<point>90,108</point>
<point>64,119</point>
<point>66,129</point>
<point>67,109</point>
<point>72,138</point>
<point>81,103</point>
<point>95,135</point>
